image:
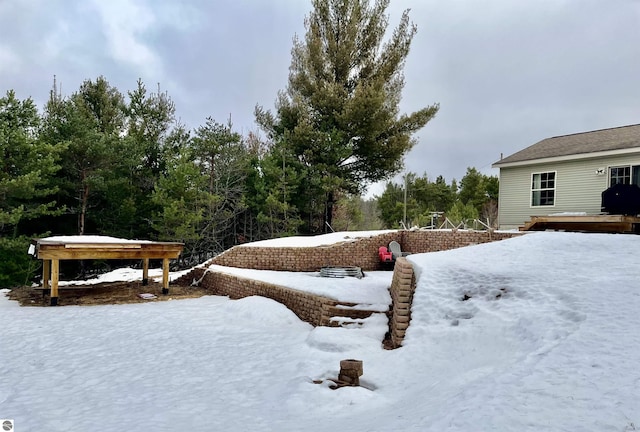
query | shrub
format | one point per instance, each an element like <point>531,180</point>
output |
<point>17,268</point>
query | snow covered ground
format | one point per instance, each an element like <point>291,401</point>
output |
<point>534,333</point>
<point>371,291</point>
<point>124,274</point>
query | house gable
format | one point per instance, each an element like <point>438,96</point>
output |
<point>604,142</point>
<point>580,178</point>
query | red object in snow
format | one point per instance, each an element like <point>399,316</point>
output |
<point>384,254</point>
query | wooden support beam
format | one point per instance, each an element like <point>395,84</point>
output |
<point>55,276</point>
<point>46,274</point>
<point>165,276</point>
<point>145,271</point>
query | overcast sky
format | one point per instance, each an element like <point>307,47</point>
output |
<point>507,73</point>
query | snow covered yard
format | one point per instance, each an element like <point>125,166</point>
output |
<point>534,333</point>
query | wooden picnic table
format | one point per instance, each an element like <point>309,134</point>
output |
<point>53,249</point>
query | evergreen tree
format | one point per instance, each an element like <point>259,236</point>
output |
<point>180,197</point>
<point>222,159</point>
<point>481,192</point>
<point>27,165</point>
<point>472,190</point>
<point>152,143</point>
<point>150,119</point>
<point>273,183</point>
<point>438,196</point>
<point>201,194</point>
<point>339,117</point>
<point>88,126</point>
<point>391,205</point>
<point>423,198</point>
<point>462,213</point>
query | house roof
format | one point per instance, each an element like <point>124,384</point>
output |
<point>618,138</point>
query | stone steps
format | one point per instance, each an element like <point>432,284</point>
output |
<point>348,315</point>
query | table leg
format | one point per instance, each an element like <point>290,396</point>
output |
<point>46,275</point>
<point>165,276</point>
<point>55,274</point>
<point>145,271</point>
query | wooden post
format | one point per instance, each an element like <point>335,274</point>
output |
<point>145,271</point>
<point>165,276</point>
<point>55,275</point>
<point>46,275</point>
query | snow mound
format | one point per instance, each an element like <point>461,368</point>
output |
<point>260,312</point>
<point>345,339</point>
<point>539,320</point>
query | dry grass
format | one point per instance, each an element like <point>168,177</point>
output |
<point>104,293</point>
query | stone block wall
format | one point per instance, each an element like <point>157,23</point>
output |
<point>439,240</point>
<point>403,286</point>
<point>187,279</point>
<point>314,309</point>
<point>362,252</point>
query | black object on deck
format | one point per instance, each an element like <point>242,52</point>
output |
<point>621,199</point>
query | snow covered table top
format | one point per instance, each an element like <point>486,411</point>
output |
<point>103,247</point>
<point>53,249</point>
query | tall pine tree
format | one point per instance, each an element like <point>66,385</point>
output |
<point>88,126</point>
<point>339,116</point>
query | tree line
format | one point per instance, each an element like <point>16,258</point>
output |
<point>421,202</point>
<point>100,161</point>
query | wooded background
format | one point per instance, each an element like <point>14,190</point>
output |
<point>103,162</point>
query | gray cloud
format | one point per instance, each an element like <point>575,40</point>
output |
<point>505,73</point>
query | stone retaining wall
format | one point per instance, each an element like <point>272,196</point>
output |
<point>363,252</point>
<point>314,309</point>
<point>403,285</point>
<point>439,240</point>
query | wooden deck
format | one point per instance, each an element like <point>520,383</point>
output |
<point>51,251</point>
<point>584,223</point>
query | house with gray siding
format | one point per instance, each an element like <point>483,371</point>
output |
<point>566,174</point>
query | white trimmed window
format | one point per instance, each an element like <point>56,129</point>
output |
<point>626,174</point>
<point>543,189</point>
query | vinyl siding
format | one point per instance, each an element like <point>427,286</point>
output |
<point>578,188</point>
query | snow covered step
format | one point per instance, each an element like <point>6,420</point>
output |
<point>348,322</point>
<point>352,314</point>
<point>349,311</point>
